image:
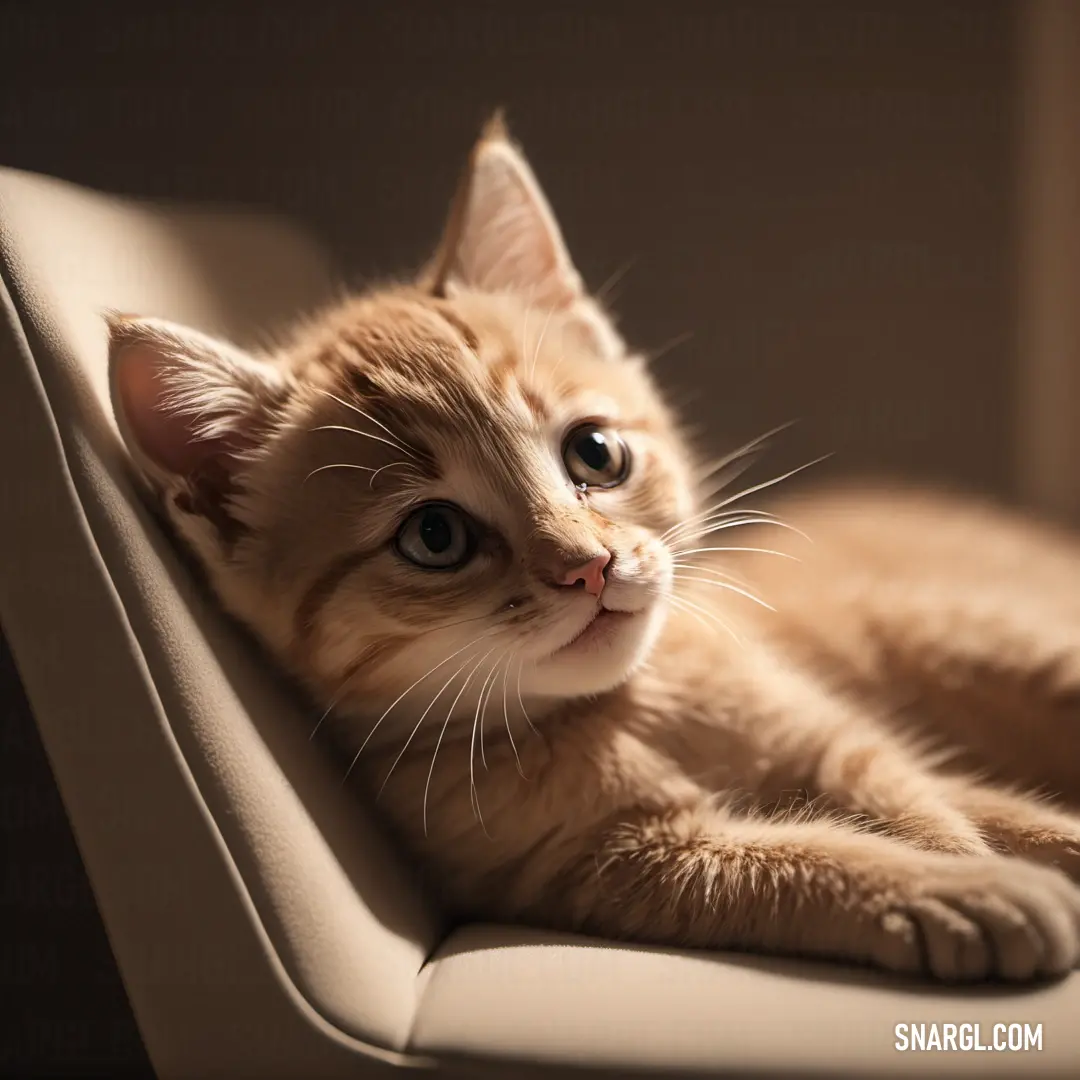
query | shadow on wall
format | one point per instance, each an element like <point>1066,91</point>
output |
<point>821,194</point>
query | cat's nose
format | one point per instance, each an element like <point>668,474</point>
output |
<point>590,574</point>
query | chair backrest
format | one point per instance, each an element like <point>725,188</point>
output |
<point>260,920</point>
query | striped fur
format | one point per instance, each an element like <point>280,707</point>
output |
<point>800,785</point>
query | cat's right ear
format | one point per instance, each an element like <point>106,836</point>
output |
<point>189,406</point>
<point>502,237</point>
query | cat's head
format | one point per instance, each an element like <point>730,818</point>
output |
<point>465,474</point>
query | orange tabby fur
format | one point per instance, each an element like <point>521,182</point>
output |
<point>803,783</point>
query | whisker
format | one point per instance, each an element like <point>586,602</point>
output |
<point>525,321</point>
<point>462,622</point>
<point>423,715</point>
<point>506,715</point>
<point>726,585</point>
<point>615,278</point>
<point>410,687</point>
<point>474,797</point>
<point>456,622</point>
<point>560,388</point>
<point>709,615</point>
<point>712,570</point>
<point>405,446</point>
<point>442,732</point>
<point>336,465</point>
<point>491,690</point>
<point>354,665</point>
<point>712,615</point>
<point>753,517</point>
<point>726,479</point>
<point>770,483</point>
<point>341,689</point>
<point>364,435</point>
<point>741,452</point>
<point>484,687</point>
<point>748,491</point>
<point>718,516</point>
<point>371,482</point>
<point>525,329</point>
<point>679,603</point>
<point>727,470</point>
<point>539,343</point>
<point>521,704</point>
<point>367,416</point>
<point>760,551</point>
<point>706,528</point>
<point>673,343</point>
<point>732,517</point>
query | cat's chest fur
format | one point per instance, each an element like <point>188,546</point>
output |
<point>690,727</point>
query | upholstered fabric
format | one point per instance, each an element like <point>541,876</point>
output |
<point>228,862</point>
<point>262,923</point>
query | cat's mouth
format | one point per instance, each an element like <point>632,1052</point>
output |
<point>603,625</point>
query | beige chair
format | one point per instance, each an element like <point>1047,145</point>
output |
<point>262,924</point>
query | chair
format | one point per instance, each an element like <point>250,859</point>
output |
<point>262,923</point>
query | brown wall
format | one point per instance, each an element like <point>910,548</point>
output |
<point>820,192</point>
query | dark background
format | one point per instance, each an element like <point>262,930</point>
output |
<point>821,193</point>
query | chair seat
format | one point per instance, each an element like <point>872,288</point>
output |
<point>561,1000</point>
<point>261,921</point>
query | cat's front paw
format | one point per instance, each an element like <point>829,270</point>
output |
<point>962,919</point>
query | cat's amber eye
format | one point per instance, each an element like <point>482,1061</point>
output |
<point>596,456</point>
<point>436,536</point>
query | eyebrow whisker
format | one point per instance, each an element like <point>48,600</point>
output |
<point>337,465</point>
<point>402,444</point>
<point>364,435</point>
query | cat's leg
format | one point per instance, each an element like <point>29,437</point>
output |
<point>997,678</point>
<point>700,878</point>
<point>1023,825</point>
<point>870,771</point>
<point>865,768</point>
<point>995,675</point>
<point>830,746</point>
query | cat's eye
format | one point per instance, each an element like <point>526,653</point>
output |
<point>596,456</point>
<point>436,536</point>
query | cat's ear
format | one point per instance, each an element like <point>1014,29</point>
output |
<point>502,236</point>
<point>189,406</point>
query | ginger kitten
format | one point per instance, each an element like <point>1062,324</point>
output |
<point>459,512</point>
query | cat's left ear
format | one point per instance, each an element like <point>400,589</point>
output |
<point>192,411</point>
<point>502,236</point>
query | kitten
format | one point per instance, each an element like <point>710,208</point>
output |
<point>460,513</point>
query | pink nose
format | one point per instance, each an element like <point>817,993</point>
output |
<point>591,573</point>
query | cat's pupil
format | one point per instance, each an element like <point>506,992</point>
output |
<point>435,532</point>
<point>593,451</point>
